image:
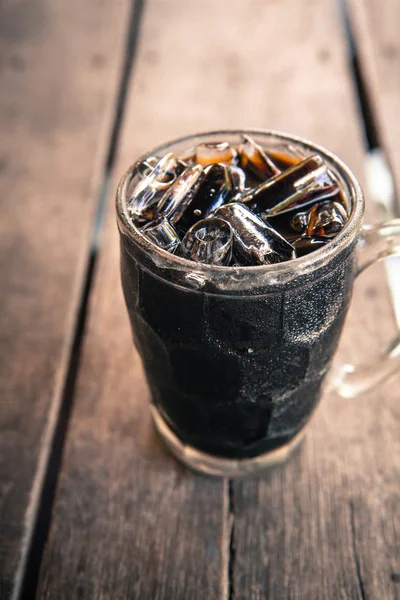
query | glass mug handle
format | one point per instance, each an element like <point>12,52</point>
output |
<point>376,242</point>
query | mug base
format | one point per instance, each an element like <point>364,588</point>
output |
<point>222,467</point>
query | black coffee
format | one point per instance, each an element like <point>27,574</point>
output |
<point>239,375</point>
<point>236,376</point>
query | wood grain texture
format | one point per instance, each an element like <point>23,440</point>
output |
<point>59,72</point>
<point>376,28</point>
<point>129,522</point>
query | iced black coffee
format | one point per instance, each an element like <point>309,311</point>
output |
<point>235,372</point>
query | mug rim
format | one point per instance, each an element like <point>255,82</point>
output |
<point>297,266</point>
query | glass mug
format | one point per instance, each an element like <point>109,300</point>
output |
<point>236,357</point>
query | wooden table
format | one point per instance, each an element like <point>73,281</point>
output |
<point>91,504</point>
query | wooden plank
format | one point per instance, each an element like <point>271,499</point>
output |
<point>122,498</point>
<point>325,525</point>
<point>59,69</point>
<point>129,521</point>
<point>376,26</point>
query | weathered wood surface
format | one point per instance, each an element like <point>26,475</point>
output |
<point>129,522</point>
<point>59,72</point>
<point>376,29</point>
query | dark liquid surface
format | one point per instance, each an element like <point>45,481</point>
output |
<point>236,376</point>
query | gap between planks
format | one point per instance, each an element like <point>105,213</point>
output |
<point>380,180</point>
